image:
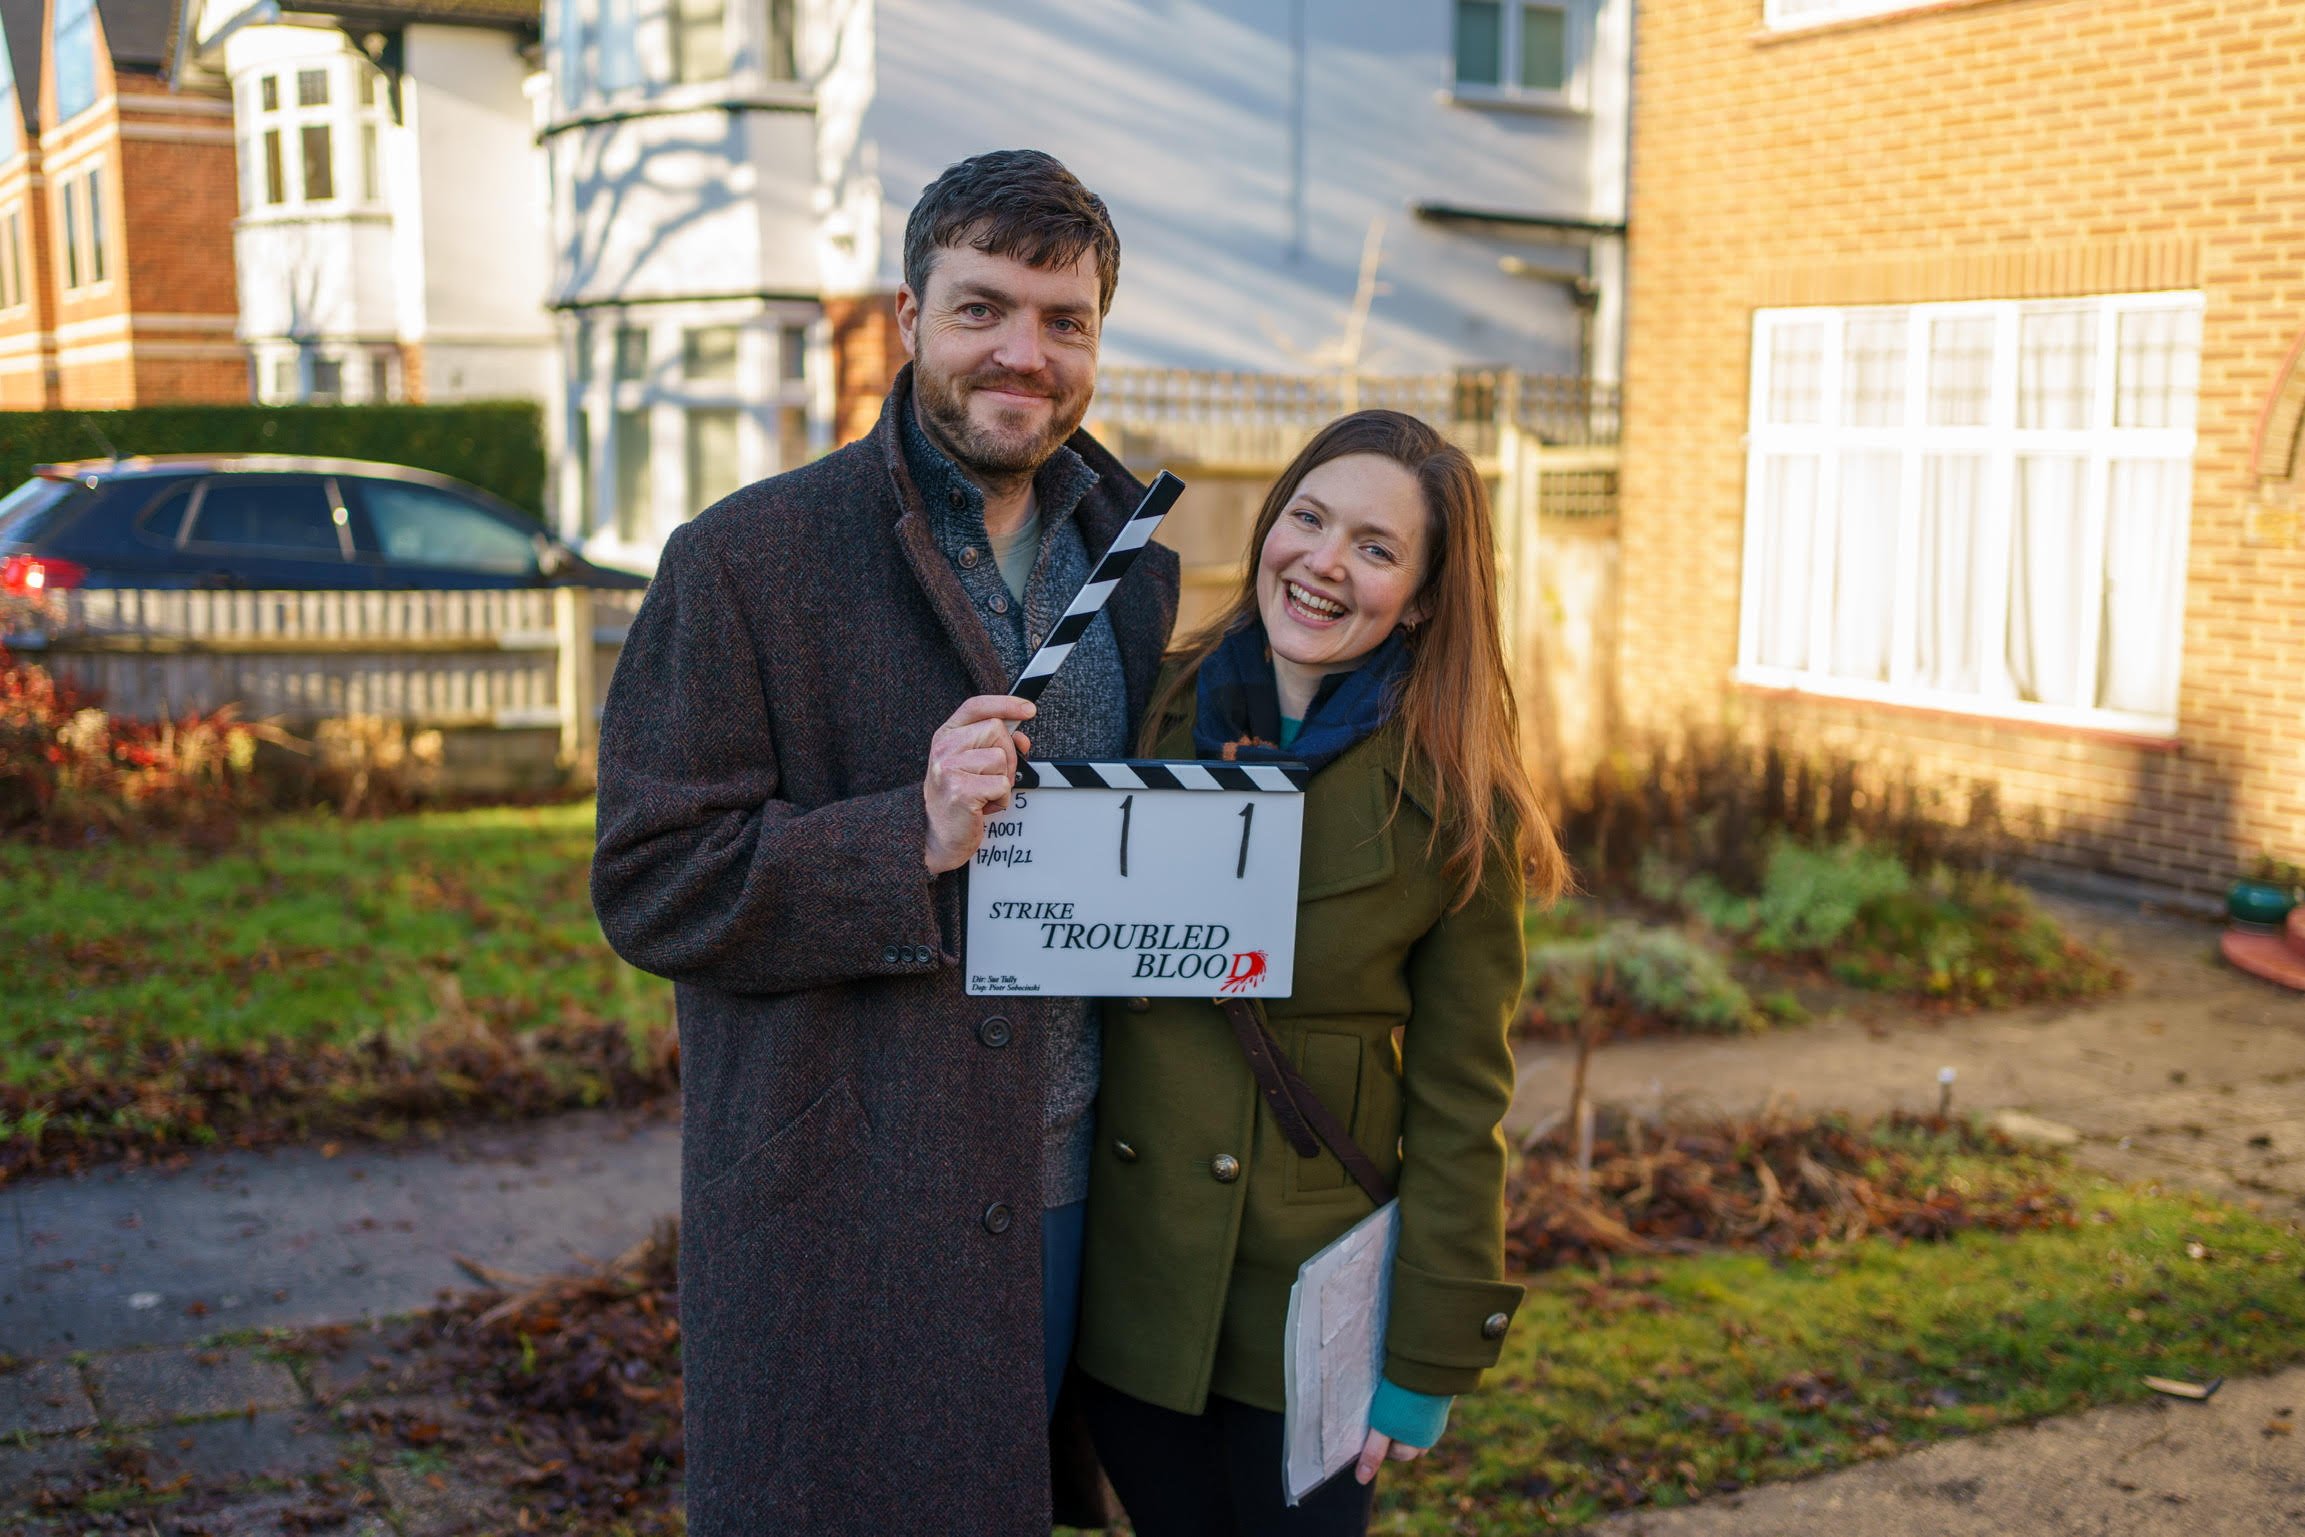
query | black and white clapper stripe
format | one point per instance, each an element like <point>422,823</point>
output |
<point>1162,774</point>
<point>1134,535</point>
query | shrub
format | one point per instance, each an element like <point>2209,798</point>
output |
<point>497,445</point>
<point>1809,897</point>
<point>1972,940</point>
<point>1629,979</point>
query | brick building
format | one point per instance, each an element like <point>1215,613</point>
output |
<point>1964,391</point>
<point>124,189</point>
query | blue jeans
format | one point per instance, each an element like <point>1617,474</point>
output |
<point>1061,1231</point>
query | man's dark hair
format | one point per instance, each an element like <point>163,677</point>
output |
<point>1018,203</point>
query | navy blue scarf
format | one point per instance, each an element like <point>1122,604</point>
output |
<point>1238,716</point>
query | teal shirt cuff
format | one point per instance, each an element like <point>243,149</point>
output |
<point>1413,1419</point>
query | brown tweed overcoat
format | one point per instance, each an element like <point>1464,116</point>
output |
<point>861,1145</point>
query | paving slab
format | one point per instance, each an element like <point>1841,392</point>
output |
<point>2164,1469</point>
<point>156,1386</point>
<point>293,1237</point>
<point>281,1444</point>
<point>47,1464</point>
<point>43,1398</point>
<point>435,1504</point>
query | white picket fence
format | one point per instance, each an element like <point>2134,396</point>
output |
<point>502,660</point>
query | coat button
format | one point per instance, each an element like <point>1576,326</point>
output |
<point>956,497</point>
<point>999,603</point>
<point>994,1032</point>
<point>1139,1005</point>
<point>888,955</point>
<point>1122,1151</point>
<point>997,1218</point>
<point>1225,1167</point>
<point>1493,1327</point>
<point>969,557</point>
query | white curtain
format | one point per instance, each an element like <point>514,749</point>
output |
<point>1778,586</point>
<point>2045,597</point>
<point>2056,362</point>
<point>2144,584</point>
<point>1865,565</point>
<point>1945,628</point>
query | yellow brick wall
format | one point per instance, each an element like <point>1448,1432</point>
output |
<point>1982,149</point>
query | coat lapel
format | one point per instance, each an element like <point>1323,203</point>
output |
<point>929,567</point>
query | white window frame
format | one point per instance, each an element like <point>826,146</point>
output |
<point>82,231</point>
<point>1577,41</point>
<point>14,290</point>
<point>2000,443</point>
<point>1787,16</point>
<point>348,115</point>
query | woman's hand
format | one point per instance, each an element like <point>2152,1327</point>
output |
<point>1377,1449</point>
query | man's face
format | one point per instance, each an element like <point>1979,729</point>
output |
<point>1004,357</point>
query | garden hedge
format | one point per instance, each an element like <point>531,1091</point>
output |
<point>497,445</point>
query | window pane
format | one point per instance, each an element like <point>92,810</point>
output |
<point>327,379</point>
<point>269,90</point>
<point>371,172</point>
<point>712,471</point>
<point>2056,354</point>
<point>290,516</point>
<point>581,346</point>
<point>1865,565</point>
<point>71,234</point>
<point>619,56</point>
<point>1873,371</point>
<point>285,385</point>
<point>319,171</point>
<point>1779,585</point>
<point>2159,368</point>
<point>74,54</point>
<point>1544,48</point>
<point>95,186</point>
<point>792,353</point>
<point>2045,596</point>
<point>1480,42</point>
<point>708,353</point>
<point>374,79</point>
<point>1960,371</point>
<point>791,437</point>
<point>312,88</point>
<point>2144,585</point>
<point>631,354</point>
<point>1797,372</point>
<point>1945,628</point>
<point>633,520</point>
<point>580,465</point>
<point>699,41</point>
<point>275,168</point>
<point>425,526</point>
<point>781,52</point>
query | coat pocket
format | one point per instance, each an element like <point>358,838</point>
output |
<point>796,1158</point>
<point>1331,1064</point>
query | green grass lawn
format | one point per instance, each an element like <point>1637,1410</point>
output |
<point>1699,1374</point>
<point>312,930</point>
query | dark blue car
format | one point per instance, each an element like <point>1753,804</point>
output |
<point>269,521</point>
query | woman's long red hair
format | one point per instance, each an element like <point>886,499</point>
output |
<point>1457,702</point>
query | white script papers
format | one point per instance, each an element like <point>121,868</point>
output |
<point>1333,1349</point>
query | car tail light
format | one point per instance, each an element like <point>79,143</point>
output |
<point>28,576</point>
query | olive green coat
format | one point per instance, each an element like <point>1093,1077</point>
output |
<point>1398,1021</point>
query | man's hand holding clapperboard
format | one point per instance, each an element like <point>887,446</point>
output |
<point>1135,878</point>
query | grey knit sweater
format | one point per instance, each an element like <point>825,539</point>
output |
<point>1082,714</point>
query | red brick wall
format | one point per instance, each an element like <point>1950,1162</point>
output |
<point>867,353</point>
<point>1981,149</point>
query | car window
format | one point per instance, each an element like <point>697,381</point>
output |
<point>290,517</point>
<point>424,526</point>
<point>164,520</point>
<point>35,507</point>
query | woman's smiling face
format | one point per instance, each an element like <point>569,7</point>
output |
<point>1342,564</point>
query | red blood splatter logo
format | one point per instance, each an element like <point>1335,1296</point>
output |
<point>1248,970</point>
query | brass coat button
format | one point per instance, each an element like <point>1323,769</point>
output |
<point>1493,1327</point>
<point>1225,1167</point>
<point>994,1032</point>
<point>997,1218</point>
<point>1122,1151</point>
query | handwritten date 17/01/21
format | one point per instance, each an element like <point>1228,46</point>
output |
<point>1240,866</point>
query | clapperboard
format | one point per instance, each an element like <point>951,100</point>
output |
<point>1171,878</point>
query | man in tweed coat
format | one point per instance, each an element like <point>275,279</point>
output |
<point>880,1176</point>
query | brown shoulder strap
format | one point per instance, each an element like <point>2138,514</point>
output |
<point>1303,1119</point>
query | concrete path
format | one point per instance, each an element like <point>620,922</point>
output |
<point>291,1237</point>
<point>2195,1074</point>
<point>2233,1466</point>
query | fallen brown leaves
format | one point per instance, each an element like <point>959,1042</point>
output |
<point>1780,1185</point>
<point>102,1099</point>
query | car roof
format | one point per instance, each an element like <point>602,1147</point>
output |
<point>138,465</point>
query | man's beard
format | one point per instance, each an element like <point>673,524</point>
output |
<point>998,459</point>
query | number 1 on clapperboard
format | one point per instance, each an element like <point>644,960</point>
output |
<point>1127,806</point>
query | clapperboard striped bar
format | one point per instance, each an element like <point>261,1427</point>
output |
<point>1134,535</point>
<point>1162,774</point>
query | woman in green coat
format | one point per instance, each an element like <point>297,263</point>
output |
<point>1365,644</point>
